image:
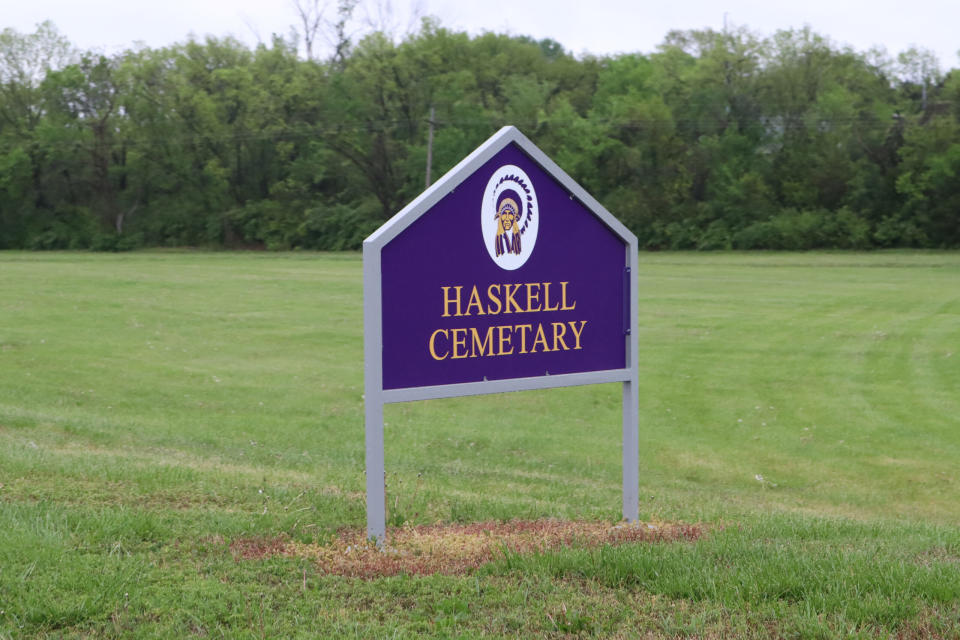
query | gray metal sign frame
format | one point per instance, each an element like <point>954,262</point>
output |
<point>376,396</point>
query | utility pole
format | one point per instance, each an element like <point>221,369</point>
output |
<point>430,146</point>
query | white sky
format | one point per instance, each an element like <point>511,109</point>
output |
<point>595,26</point>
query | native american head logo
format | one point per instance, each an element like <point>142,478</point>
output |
<point>509,217</point>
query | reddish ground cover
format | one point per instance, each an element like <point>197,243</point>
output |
<point>457,548</point>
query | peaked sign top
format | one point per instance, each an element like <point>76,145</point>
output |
<point>505,136</point>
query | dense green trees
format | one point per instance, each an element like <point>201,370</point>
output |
<point>716,140</point>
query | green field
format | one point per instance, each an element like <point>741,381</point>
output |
<point>157,409</point>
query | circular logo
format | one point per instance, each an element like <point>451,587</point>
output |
<point>509,217</point>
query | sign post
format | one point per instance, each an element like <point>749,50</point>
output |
<point>504,275</point>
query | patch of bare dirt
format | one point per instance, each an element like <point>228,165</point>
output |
<point>256,548</point>
<point>455,549</point>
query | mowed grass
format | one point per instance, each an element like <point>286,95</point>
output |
<point>157,407</point>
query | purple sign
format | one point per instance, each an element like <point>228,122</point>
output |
<point>505,275</point>
<point>508,275</point>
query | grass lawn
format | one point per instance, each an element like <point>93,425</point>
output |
<point>162,412</point>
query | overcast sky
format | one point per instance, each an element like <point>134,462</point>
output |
<point>594,26</point>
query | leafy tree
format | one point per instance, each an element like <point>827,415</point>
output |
<point>715,140</point>
<point>25,60</point>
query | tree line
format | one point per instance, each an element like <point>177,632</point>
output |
<point>717,140</point>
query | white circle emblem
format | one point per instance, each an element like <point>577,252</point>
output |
<point>509,217</point>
